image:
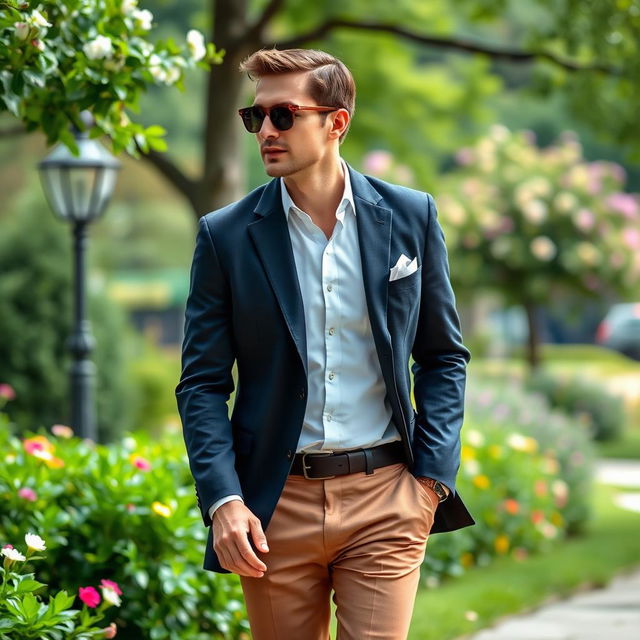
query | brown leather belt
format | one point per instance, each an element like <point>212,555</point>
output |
<point>322,466</point>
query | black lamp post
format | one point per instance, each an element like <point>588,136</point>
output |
<point>78,189</point>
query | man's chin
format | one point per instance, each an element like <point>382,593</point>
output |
<point>277,170</point>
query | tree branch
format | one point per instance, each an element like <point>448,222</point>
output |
<point>171,172</point>
<point>458,44</point>
<point>255,31</point>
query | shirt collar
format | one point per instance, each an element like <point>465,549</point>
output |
<point>347,196</point>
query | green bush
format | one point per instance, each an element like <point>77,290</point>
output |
<point>125,512</point>
<point>24,616</point>
<point>525,474</point>
<point>584,399</point>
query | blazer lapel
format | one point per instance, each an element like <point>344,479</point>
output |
<point>374,236</point>
<point>273,244</point>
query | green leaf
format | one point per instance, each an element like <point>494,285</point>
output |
<point>155,131</point>
<point>157,144</point>
<point>29,585</point>
<point>30,606</point>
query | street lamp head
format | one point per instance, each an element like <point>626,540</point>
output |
<point>78,188</point>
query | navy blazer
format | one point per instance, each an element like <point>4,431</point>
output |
<point>245,307</point>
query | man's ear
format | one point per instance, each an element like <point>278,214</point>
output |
<point>339,123</point>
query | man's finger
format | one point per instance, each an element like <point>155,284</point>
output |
<point>242,566</point>
<point>257,535</point>
<point>245,550</point>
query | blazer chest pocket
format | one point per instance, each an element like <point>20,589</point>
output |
<point>408,282</point>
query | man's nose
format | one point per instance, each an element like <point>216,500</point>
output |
<point>267,130</point>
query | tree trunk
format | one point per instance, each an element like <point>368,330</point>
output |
<point>533,340</point>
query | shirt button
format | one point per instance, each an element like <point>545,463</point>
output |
<point>331,331</point>
<point>329,287</point>
<point>329,418</point>
<point>332,376</point>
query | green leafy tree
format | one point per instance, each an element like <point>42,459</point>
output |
<point>430,69</point>
<point>535,223</point>
<point>66,56</point>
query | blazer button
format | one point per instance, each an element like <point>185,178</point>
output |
<point>301,394</point>
<point>289,454</point>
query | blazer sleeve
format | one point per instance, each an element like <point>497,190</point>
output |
<point>206,381</point>
<point>439,368</point>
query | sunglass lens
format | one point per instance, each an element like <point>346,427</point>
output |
<point>282,118</point>
<point>252,117</point>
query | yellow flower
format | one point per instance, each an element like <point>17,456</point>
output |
<point>556,519</point>
<point>466,560</point>
<point>161,509</point>
<point>467,453</point>
<point>501,544</point>
<point>482,481</point>
<point>518,442</point>
<point>495,451</point>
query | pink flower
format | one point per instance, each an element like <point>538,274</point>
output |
<point>109,584</point>
<point>111,631</point>
<point>8,546</point>
<point>631,238</point>
<point>62,431</point>
<point>27,494</point>
<point>140,463</point>
<point>377,162</point>
<point>464,156</point>
<point>584,219</point>
<point>7,392</point>
<point>89,596</point>
<point>625,204</point>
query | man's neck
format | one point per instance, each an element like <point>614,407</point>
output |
<point>318,193</point>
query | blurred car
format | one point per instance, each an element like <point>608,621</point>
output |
<point>620,329</point>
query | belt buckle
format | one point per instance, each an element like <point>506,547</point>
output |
<point>305,467</point>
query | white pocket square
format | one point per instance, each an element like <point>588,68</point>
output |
<point>403,268</point>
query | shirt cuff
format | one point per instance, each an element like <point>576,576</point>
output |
<point>219,503</point>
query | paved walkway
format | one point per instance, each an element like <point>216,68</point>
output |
<point>602,614</point>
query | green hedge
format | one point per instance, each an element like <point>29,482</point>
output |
<point>104,516</point>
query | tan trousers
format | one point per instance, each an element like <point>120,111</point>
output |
<point>362,536</point>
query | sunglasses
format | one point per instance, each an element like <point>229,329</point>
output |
<point>281,116</point>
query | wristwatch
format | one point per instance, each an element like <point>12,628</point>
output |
<point>436,486</point>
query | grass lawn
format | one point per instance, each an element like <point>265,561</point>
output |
<point>508,586</point>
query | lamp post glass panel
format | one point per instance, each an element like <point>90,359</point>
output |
<point>78,189</point>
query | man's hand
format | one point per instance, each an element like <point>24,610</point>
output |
<point>231,524</point>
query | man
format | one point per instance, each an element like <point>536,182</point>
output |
<point>319,286</point>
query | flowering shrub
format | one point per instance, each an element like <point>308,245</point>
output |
<point>124,512</point>
<point>60,57</point>
<point>525,473</point>
<point>534,223</point>
<point>528,221</point>
<point>585,399</point>
<point>23,615</point>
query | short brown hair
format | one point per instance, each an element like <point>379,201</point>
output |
<point>330,82</point>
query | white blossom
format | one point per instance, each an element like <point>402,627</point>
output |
<point>195,42</point>
<point>543,248</point>
<point>34,542</point>
<point>111,596</point>
<point>143,17</point>
<point>22,30</point>
<point>128,6</point>
<point>100,47</point>
<point>13,554</point>
<point>38,20</point>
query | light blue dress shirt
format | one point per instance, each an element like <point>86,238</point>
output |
<point>347,406</point>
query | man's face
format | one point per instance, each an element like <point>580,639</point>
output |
<point>308,142</point>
